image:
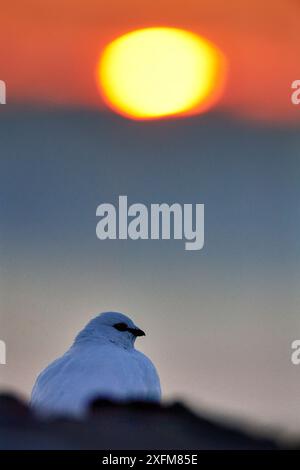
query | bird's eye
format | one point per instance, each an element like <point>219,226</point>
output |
<point>121,326</point>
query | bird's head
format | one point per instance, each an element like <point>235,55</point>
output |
<point>114,326</point>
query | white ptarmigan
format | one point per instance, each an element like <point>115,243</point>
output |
<point>102,362</point>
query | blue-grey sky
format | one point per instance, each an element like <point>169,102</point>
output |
<point>219,321</point>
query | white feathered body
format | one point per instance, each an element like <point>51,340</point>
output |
<point>97,368</point>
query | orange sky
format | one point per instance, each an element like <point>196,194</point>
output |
<point>49,49</point>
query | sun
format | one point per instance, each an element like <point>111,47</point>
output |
<point>157,72</point>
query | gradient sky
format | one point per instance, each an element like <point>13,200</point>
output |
<point>220,321</point>
<point>49,49</point>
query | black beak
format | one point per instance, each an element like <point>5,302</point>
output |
<point>137,332</point>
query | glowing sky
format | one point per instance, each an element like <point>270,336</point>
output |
<point>49,49</point>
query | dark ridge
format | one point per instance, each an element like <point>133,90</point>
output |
<point>123,426</point>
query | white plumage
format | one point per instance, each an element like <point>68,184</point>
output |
<point>102,362</point>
